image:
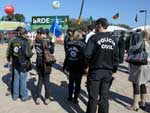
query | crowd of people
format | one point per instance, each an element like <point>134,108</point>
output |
<point>96,52</point>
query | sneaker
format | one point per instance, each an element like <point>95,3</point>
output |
<point>133,108</point>
<point>142,105</point>
<point>47,101</point>
<point>38,101</point>
<point>8,93</point>
<point>26,99</point>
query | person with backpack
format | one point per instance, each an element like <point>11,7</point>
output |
<point>75,66</point>
<point>43,69</point>
<point>19,52</point>
<point>102,58</point>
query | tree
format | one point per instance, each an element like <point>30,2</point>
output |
<point>14,17</point>
<point>73,24</point>
<point>20,17</point>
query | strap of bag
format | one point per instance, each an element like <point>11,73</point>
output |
<point>144,48</point>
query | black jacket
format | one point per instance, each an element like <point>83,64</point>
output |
<point>101,52</point>
<point>19,50</point>
<point>39,47</point>
<point>74,57</point>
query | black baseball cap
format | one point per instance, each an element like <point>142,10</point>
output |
<point>103,22</point>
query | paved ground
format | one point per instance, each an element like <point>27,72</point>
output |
<point>121,91</point>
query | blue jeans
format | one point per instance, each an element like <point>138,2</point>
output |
<point>20,85</point>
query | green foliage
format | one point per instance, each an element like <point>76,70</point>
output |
<point>20,17</point>
<point>73,24</point>
<point>14,17</point>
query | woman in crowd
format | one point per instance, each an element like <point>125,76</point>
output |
<point>43,69</point>
<point>75,65</point>
<point>139,74</point>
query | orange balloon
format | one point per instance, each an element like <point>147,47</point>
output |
<point>9,9</point>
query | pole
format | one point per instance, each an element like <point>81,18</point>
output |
<point>144,11</point>
<point>79,19</point>
<point>145,19</point>
<point>81,8</point>
<point>55,25</point>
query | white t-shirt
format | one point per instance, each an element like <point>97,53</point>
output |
<point>88,36</point>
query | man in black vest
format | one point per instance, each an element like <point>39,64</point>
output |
<point>102,59</point>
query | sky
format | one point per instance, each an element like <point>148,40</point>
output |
<point>96,8</point>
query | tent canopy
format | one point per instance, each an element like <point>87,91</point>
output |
<point>8,25</point>
<point>142,28</point>
<point>114,28</point>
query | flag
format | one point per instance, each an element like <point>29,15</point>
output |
<point>28,26</point>
<point>136,18</point>
<point>116,16</point>
<point>79,20</point>
<point>66,20</point>
<point>91,19</point>
<point>55,28</point>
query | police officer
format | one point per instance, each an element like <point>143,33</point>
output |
<point>43,69</point>
<point>75,65</point>
<point>101,56</point>
<point>20,53</point>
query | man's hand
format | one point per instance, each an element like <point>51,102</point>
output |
<point>9,65</point>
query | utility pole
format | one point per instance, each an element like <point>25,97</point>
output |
<point>144,11</point>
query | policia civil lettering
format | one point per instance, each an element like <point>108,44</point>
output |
<point>106,43</point>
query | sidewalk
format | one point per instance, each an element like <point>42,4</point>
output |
<point>121,91</point>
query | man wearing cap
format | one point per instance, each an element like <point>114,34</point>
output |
<point>102,59</point>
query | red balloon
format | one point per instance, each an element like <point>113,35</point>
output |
<point>9,9</point>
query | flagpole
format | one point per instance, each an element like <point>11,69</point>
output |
<point>144,11</point>
<point>79,19</point>
<point>145,19</point>
<point>54,28</point>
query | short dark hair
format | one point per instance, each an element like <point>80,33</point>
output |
<point>46,31</point>
<point>20,30</point>
<point>103,22</point>
<point>40,30</point>
<point>90,27</point>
